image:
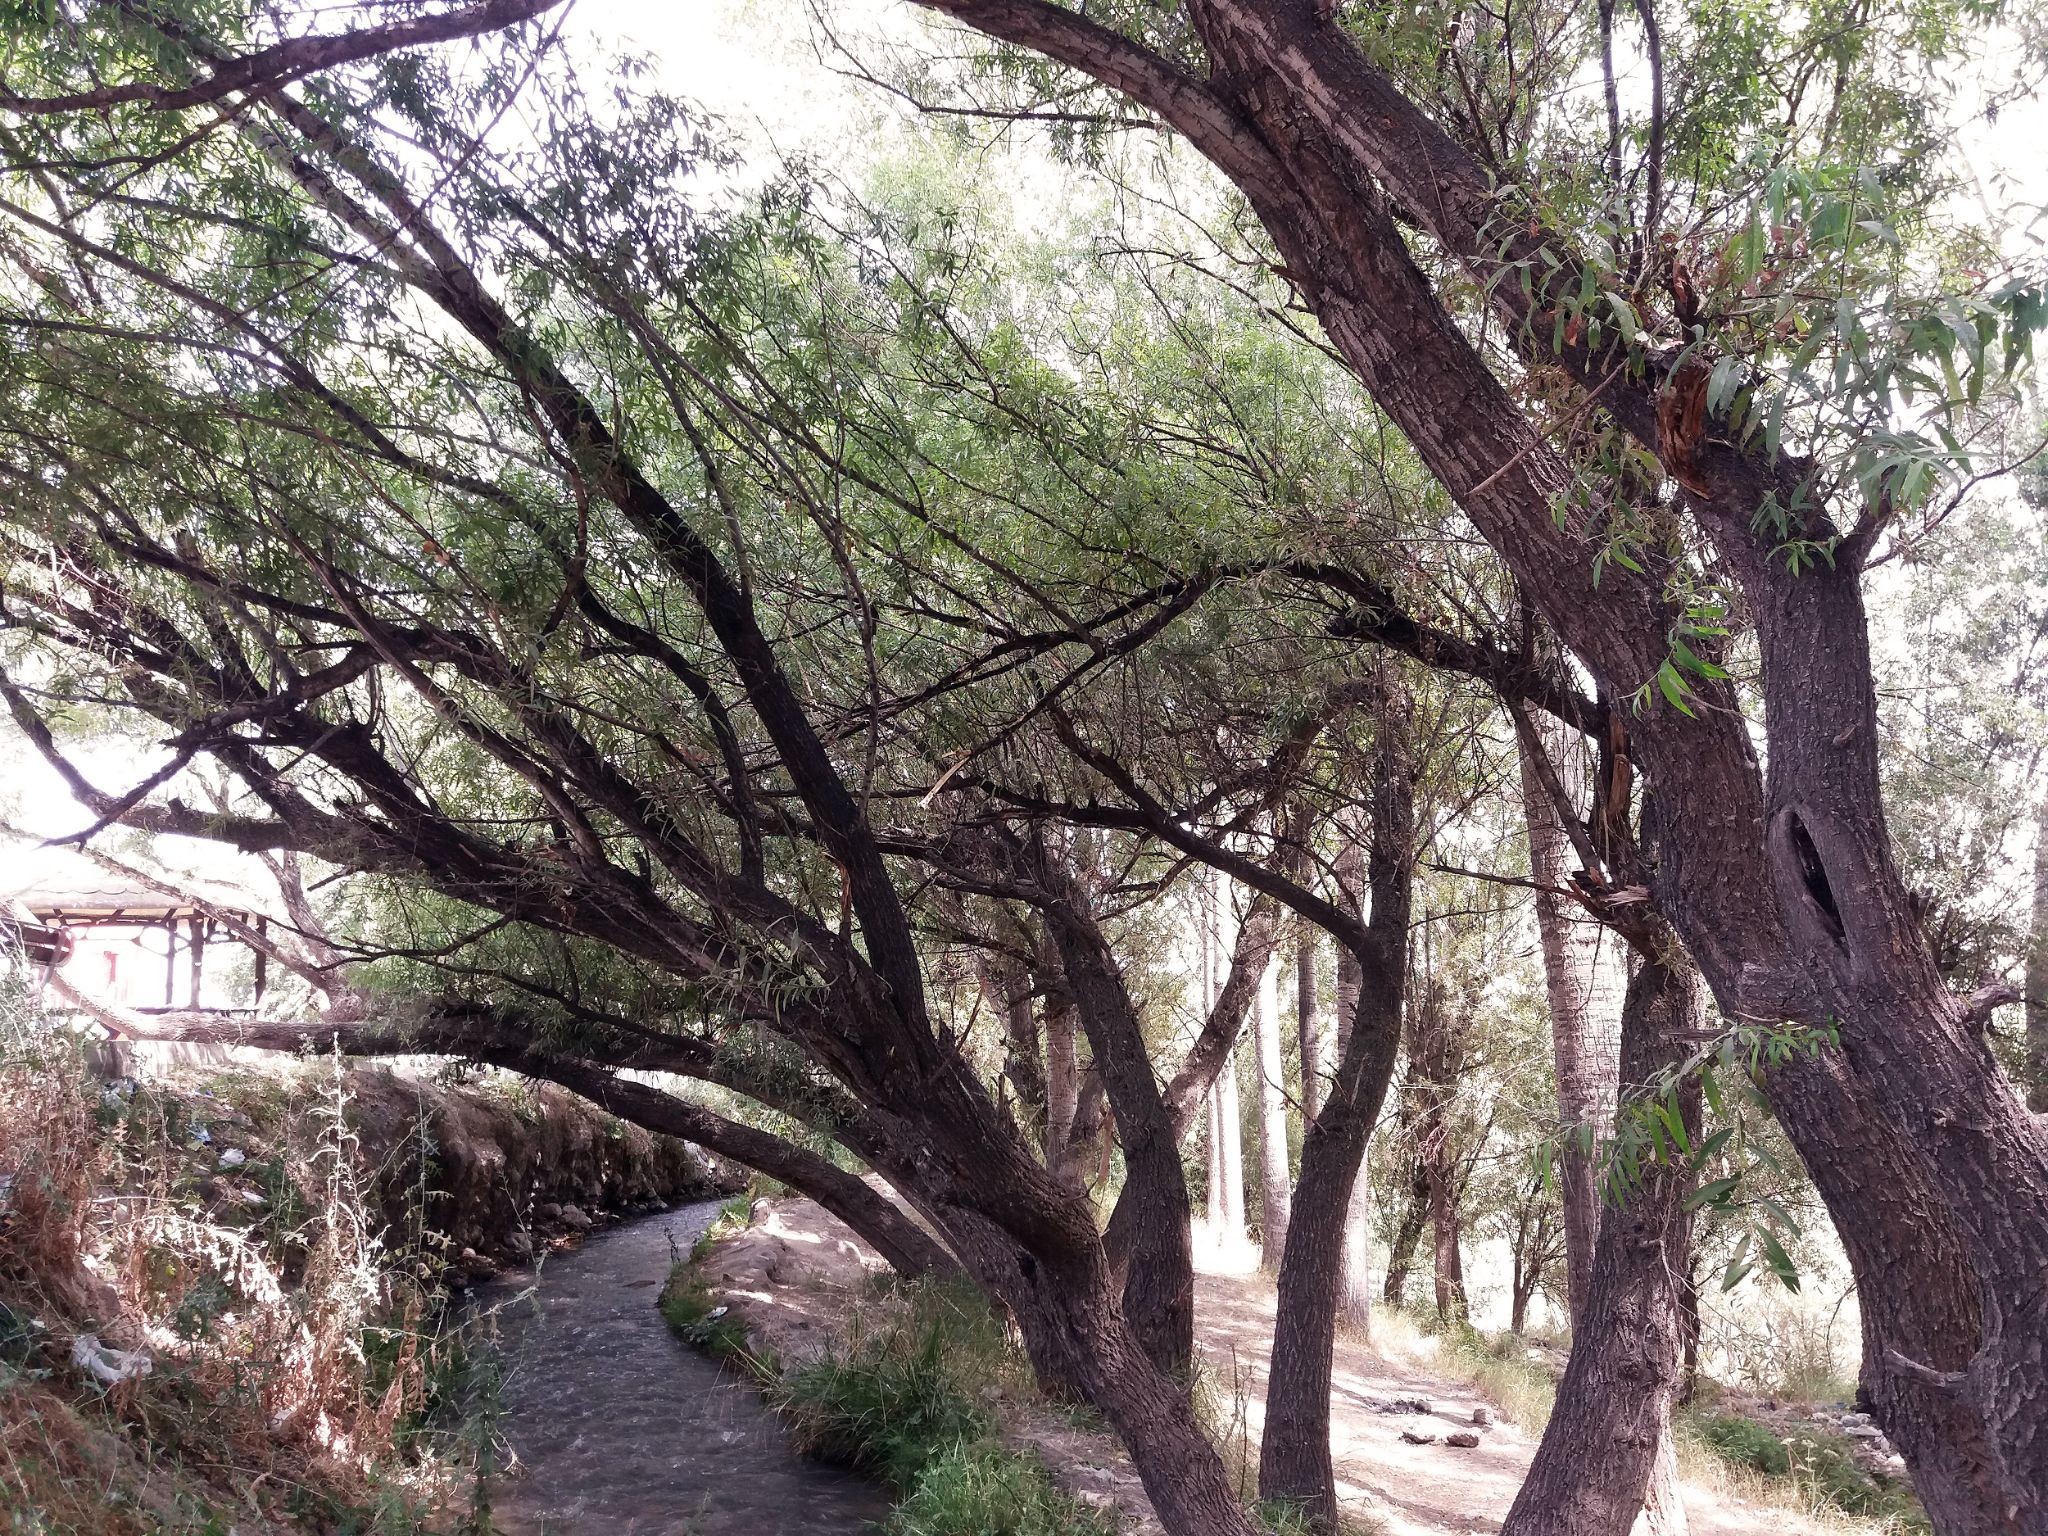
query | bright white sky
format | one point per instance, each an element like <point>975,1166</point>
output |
<point>762,66</point>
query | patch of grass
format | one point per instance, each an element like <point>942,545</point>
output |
<point>696,1317</point>
<point>985,1490</point>
<point>1743,1443</point>
<point>1284,1517</point>
<point>905,1391</point>
<point>1812,1470</point>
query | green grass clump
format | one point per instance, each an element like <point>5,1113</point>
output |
<point>896,1401</point>
<point>1744,1443</point>
<point>1824,1463</point>
<point>687,1307</point>
<point>985,1490</point>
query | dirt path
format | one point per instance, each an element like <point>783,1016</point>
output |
<point>787,1275</point>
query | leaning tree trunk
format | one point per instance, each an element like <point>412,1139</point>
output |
<point>1584,1025</point>
<point>1294,1444</point>
<point>1597,1465</point>
<point>1275,1181</point>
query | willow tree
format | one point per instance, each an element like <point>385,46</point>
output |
<point>405,440</point>
<point>1659,360</point>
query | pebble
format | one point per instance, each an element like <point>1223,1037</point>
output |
<point>574,1216</point>
<point>1464,1440</point>
<point>1481,1418</point>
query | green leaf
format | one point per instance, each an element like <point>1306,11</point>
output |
<point>1780,1261</point>
<point>1715,1193</point>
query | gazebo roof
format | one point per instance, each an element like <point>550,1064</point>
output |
<point>74,889</point>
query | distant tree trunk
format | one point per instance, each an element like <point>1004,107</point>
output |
<point>1276,1180</point>
<point>1062,1083</point>
<point>1407,1236</point>
<point>1212,1096</point>
<point>2037,971</point>
<point>1689,1329</point>
<point>1354,1287</point>
<point>1584,1032</point>
<point>1007,986</point>
<point>1308,1027</point>
<point>1215,1209</point>
<point>1532,1253</point>
<point>1229,1111</point>
<point>1605,1457</point>
<point>1433,1071</point>
<point>1450,1262</point>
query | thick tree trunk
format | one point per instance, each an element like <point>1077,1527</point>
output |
<point>1153,1242</point>
<point>1594,1472</point>
<point>1307,1023</point>
<point>1276,1181</point>
<point>1584,1011</point>
<point>1294,1447</point>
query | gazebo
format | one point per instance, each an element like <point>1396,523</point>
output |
<point>125,942</point>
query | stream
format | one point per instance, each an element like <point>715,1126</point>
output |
<point>619,1427</point>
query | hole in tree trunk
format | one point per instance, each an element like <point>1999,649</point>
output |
<point>1813,875</point>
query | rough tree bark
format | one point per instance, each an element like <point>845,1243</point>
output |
<point>1294,1448</point>
<point>1585,1035</point>
<point>1275,1177</point>
<point>1598,1465</point>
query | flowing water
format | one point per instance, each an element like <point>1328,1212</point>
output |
<point>619,1427</point>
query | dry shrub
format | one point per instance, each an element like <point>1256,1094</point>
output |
<point>286,1354</point>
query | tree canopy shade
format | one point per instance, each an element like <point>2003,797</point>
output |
<point>742,606</point>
